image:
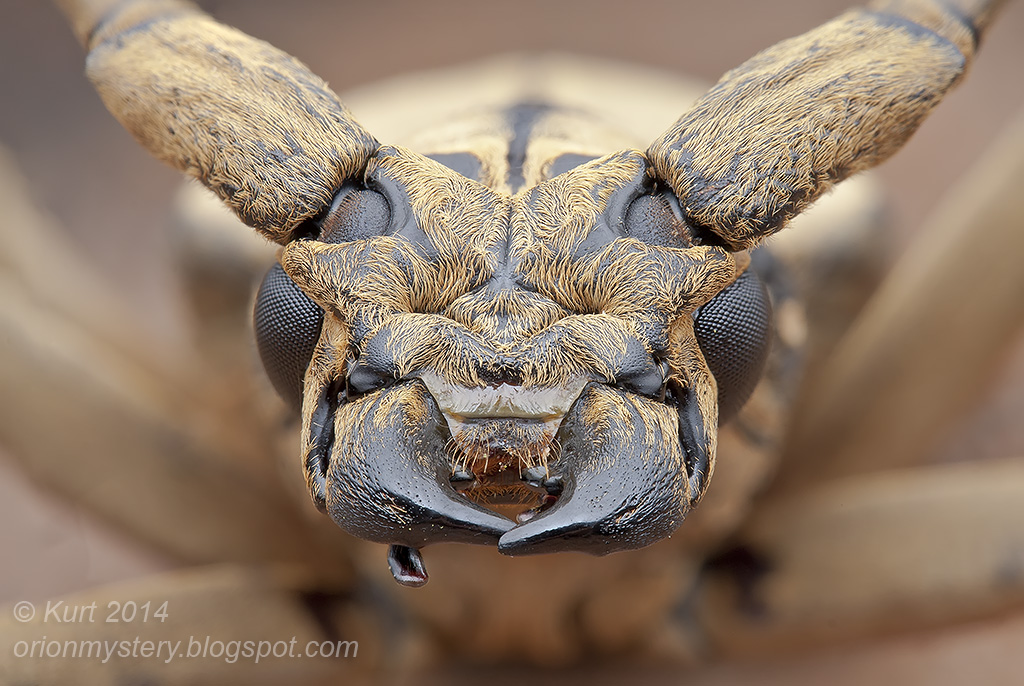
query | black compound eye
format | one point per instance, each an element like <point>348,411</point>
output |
<point>355,214</point>
<point>287,325</point>
<point>734,331</point>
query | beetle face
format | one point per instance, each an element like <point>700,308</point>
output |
<point>471,349</point>
<point>564,334</point>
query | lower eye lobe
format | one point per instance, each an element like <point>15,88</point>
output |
<point>734,331</point>
<point>287,325</point>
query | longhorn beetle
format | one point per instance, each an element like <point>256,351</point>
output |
<point>528,342</point>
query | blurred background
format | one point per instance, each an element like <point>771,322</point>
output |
<point>112,198</point>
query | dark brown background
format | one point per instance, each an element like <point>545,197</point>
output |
<point>112,197</point>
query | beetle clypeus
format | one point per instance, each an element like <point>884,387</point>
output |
<point>528,319</point>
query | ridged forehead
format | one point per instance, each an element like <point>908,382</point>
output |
<point>436,208</point>
<point>577,210</point>
<point>584,209</point>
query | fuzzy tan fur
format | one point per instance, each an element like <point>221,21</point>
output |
<point>778,131</point>
<point>274,142</point>
<point>248,121</point>
<point>521,267</point>
<point>578,312</point>
<point>484,607</point>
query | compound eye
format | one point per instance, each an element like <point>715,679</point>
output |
<point>734,331</point>
<point>286,321</point>
<point>355,214</point>
<point>287,325</point>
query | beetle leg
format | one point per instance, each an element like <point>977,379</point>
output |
<point>79,378</point>
<point>882,552</point>
<point>881,355</point>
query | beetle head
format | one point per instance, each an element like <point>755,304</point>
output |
<point>438,331</point>
<point>461,354</point>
